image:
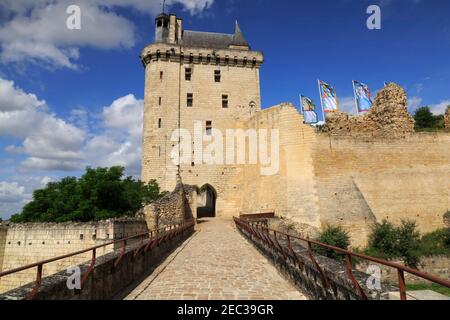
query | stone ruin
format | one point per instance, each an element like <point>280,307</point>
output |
<point>447,118</point>
<point>388,117</point>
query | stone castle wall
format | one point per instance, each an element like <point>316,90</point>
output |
<point>28,243</point>
<point>360,181</point>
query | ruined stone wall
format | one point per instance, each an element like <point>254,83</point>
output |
<point>388,117</point>
<point>174,208</point>
<point>360,181</point>
<point>32,242</point>
<point>447,118</point>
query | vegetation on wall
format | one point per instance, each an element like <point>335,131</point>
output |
<point>405,242</point>
<point>101,193</point>
<point>427,121</point>
<point>334,236</point>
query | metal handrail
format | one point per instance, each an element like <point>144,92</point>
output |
<point>401,269</point>
<point>154,236</point>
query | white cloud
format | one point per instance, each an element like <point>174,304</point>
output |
<point>413,104</point>
<point>36,31</point>
<point>50,143</point>
<point>347,104</point>
<point>120,143</point>
<point>440,108</point>
<point>11,192</point>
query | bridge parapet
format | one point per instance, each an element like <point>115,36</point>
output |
<point>322,278</point>
<point>106,276</point>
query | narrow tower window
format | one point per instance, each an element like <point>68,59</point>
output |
<point>208,128</point>
<point>161,75</point>
<point>217,76</point>
<point>190,99</point>
<point>224,101</point>
<point>159,123</point>
<point>188,74</point>
<point>160,101</point>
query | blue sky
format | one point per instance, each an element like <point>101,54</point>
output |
<point>69,99</point>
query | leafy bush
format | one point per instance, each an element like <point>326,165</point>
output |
<point>435,243</point>
<point>388,242</point>
<point>427,121</point>
<point>99,194</point>
<point>334,236</point>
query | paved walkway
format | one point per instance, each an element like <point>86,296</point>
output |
<point>216,263</point>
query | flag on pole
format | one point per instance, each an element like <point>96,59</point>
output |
<point>363,97</point>
<point>328,97</point>
<point>309,110</point>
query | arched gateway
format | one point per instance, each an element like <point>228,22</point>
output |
<point>206,202</point>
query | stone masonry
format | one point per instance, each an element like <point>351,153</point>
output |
<point>216,264</point>
<point>359,171</point>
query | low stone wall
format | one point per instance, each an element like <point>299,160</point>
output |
<point>435,265</point>
<point>174,208</point>
<point>25,243</point>
<point>308,279</point>
<point>106,280</point>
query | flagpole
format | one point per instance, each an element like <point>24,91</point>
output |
<point>356,99</point>
<point>321,102</point>
<point>301,104</point>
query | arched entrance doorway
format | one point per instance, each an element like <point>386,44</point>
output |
<point>206,202</point>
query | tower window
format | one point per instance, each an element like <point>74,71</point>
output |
<point>188,74</point>
<point>224,101</point>
<point>208,128</point>
<point>160,101</point>
<point>159,24</point>
<point>159,123</point>
<point>217,76</point>
<point>161,74</point>
<point>190,99</point>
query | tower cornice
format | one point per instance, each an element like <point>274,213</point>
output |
<point>190,55</point>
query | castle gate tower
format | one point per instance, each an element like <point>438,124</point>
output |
<point>192,78</point>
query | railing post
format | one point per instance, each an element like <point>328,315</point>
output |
<point>91,267</point>
<point>37,283</point>
<point>311,256</point>
<point>402,284</point>
<point>349,264</point>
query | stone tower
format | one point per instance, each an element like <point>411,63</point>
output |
<point>195,77</point>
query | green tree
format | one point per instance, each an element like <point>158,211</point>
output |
<point>99,194</point>
<point>388,242</point>
<point>382,240</point>
<point>408,243</point>
<point>333,236</point>
<point>425,119</point>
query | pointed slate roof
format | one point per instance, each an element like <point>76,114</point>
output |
<point>238,38</point>
<point>214,40</point>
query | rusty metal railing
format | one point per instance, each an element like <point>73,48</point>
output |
<point>264,234</point>
<point>154,238</point>
<point>263,215</point>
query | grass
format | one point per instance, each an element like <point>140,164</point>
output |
<point>432,286</point>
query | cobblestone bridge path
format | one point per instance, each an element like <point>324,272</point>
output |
<point>216,263</point>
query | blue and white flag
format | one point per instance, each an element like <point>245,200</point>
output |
<point>309,110</point>
<point>363,97</point>
<point>328,97</point>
